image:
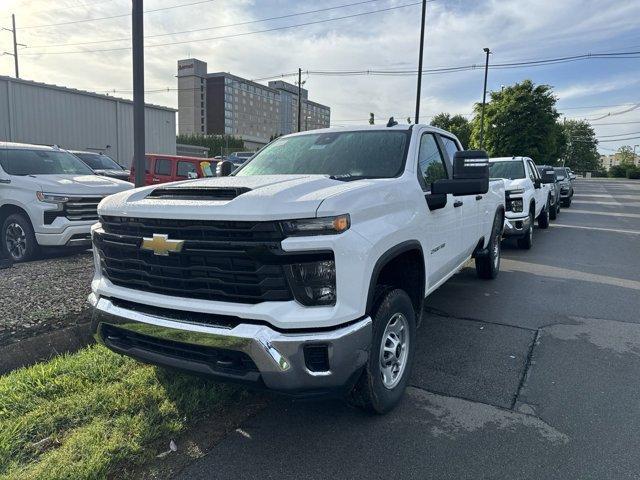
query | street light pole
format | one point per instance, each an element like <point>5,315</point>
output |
<point>424,12</point>
<point>137,47</point>
<point>484,97</point>
<point>299,98</point>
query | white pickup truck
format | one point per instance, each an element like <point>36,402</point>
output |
<point>48,197</point>
<point>306,270</point>
<point>528,196</point>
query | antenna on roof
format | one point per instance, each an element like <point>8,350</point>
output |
<point>391,122</point>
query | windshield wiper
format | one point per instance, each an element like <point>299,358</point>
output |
<point>348,177</point>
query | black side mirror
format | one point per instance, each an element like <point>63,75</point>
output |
<point>465,186</point>
<point>537,183</point>
<point>470,164</point>
<point>548,177</point>
<point>224,168</point>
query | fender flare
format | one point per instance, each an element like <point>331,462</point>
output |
<point>384,259</point>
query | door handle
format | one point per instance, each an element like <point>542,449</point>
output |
<point>457,204</point>
<point>156,180</point>
<point>478,197</point>
<point>5,180</point>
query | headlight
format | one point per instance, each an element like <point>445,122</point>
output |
<point>317,226</point>
<point>51,198</point>
<point>313,283</point>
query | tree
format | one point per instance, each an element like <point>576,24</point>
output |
<point>458,125</point>
<point>581,153</point>
<point>217,143</point>
<point>626,157</point>
<point>521,120</point>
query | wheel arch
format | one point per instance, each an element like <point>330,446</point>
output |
<point>11,208</point>
<point>403,266</point>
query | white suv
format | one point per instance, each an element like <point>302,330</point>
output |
<point>48,197</point>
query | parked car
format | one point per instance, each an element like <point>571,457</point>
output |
<point>527,197</point>
<point>239,158</point>
<point>103,164</point>
<point>305,271</point>
<point>566,186</point>
<point>554,194</point>
<point>171,168</point>
<point>48,197</point>
<point>572,175</point>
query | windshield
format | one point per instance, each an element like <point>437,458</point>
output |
<point>344,155</point>
<point>42,162</point>
<point>560,173</point>
<point>98,161</point>
<point>511,169</point>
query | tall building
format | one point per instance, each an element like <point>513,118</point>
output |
<point>222,103</point>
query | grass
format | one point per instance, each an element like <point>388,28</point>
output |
<point>94,414</point>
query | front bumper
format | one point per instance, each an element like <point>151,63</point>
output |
<point>516,226</point>
<point>72,235</point>
<point>278,360</point>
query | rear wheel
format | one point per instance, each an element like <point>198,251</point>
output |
<point>543,218</point>
<point>388,369</point>
<point>567,203</point>
<point>526,242</point>
<point>488,266</point>
<point>18,238</point>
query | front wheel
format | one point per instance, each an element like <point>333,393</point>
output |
<point>488,266</point>
<point>553,214</point>
<point>526,242</point>
<point>386,374</point>
<point>18,238</point>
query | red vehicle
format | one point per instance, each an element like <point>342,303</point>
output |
<point>171,168</point>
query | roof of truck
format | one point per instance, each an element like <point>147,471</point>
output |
<point>25,146</point>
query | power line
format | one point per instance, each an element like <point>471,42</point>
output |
<point>241,34</point>
<point>68,7</point>
<point>249,22</point>
<point>73,22</point>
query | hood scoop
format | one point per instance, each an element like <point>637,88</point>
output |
<point>198,193</point>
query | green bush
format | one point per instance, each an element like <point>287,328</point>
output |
<point>618,171</point>
<point>633,173</point>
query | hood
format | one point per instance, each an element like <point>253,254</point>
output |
<point>259,197</point>
<point>80,184</point>
<point>514,184</point>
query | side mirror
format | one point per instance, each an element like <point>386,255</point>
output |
<point>548,177</point>
<point>470,164</point>
<point>537,183</point>
<point>466,186</point>
<point>224,168</point>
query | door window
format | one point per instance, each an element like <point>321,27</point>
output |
<point>185,168</point>
<point>450,146</point>
<point>534,171</point>
<point>431,166</point>
<point>163,166</point>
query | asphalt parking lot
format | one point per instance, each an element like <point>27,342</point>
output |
<point>533,375</point>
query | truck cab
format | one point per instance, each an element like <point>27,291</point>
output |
<point>305,270</point>
<point>527,196</point>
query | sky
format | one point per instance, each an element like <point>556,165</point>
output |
<point>600,90</point>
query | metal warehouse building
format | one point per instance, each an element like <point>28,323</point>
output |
<point>32,112</point>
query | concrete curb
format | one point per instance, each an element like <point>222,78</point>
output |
<point>44,347</point>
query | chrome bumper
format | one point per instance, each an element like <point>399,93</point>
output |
<point>516,227</point>
<point>279,357</point>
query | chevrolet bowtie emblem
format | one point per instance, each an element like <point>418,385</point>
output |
<point>161,245</point>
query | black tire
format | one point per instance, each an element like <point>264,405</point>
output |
<point>488,266</point>
<point>543,218</point>
<point>526,242</point>
<point>370,392</point>
<point>553,214</point>
<point>18,239</point>
<point>567,203</point>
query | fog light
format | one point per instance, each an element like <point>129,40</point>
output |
<point>313,283</point>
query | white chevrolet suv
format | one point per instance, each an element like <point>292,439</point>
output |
<point>528,196</point>
<point>305,270</point>
<point>48,197</point>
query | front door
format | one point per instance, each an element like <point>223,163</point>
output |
<point>440,228</point>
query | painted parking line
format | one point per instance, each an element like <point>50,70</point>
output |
<point>602,195</point>
<point>598,202</point>
<point>567,274</point>
<point>580,227</point>
<point>608,214</point>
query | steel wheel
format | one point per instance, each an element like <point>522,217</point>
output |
<point>394,350</point>
<point>16,241</point>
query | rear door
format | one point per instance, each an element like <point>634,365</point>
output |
<point>540,193</point>
<point>440,228</point>
<point>163,170</point>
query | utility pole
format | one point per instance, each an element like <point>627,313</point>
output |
<point>299,98</point>
<point>424,12</point>
<point>137,47</point>
<point>484,96</point>
<point>15,44</point>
